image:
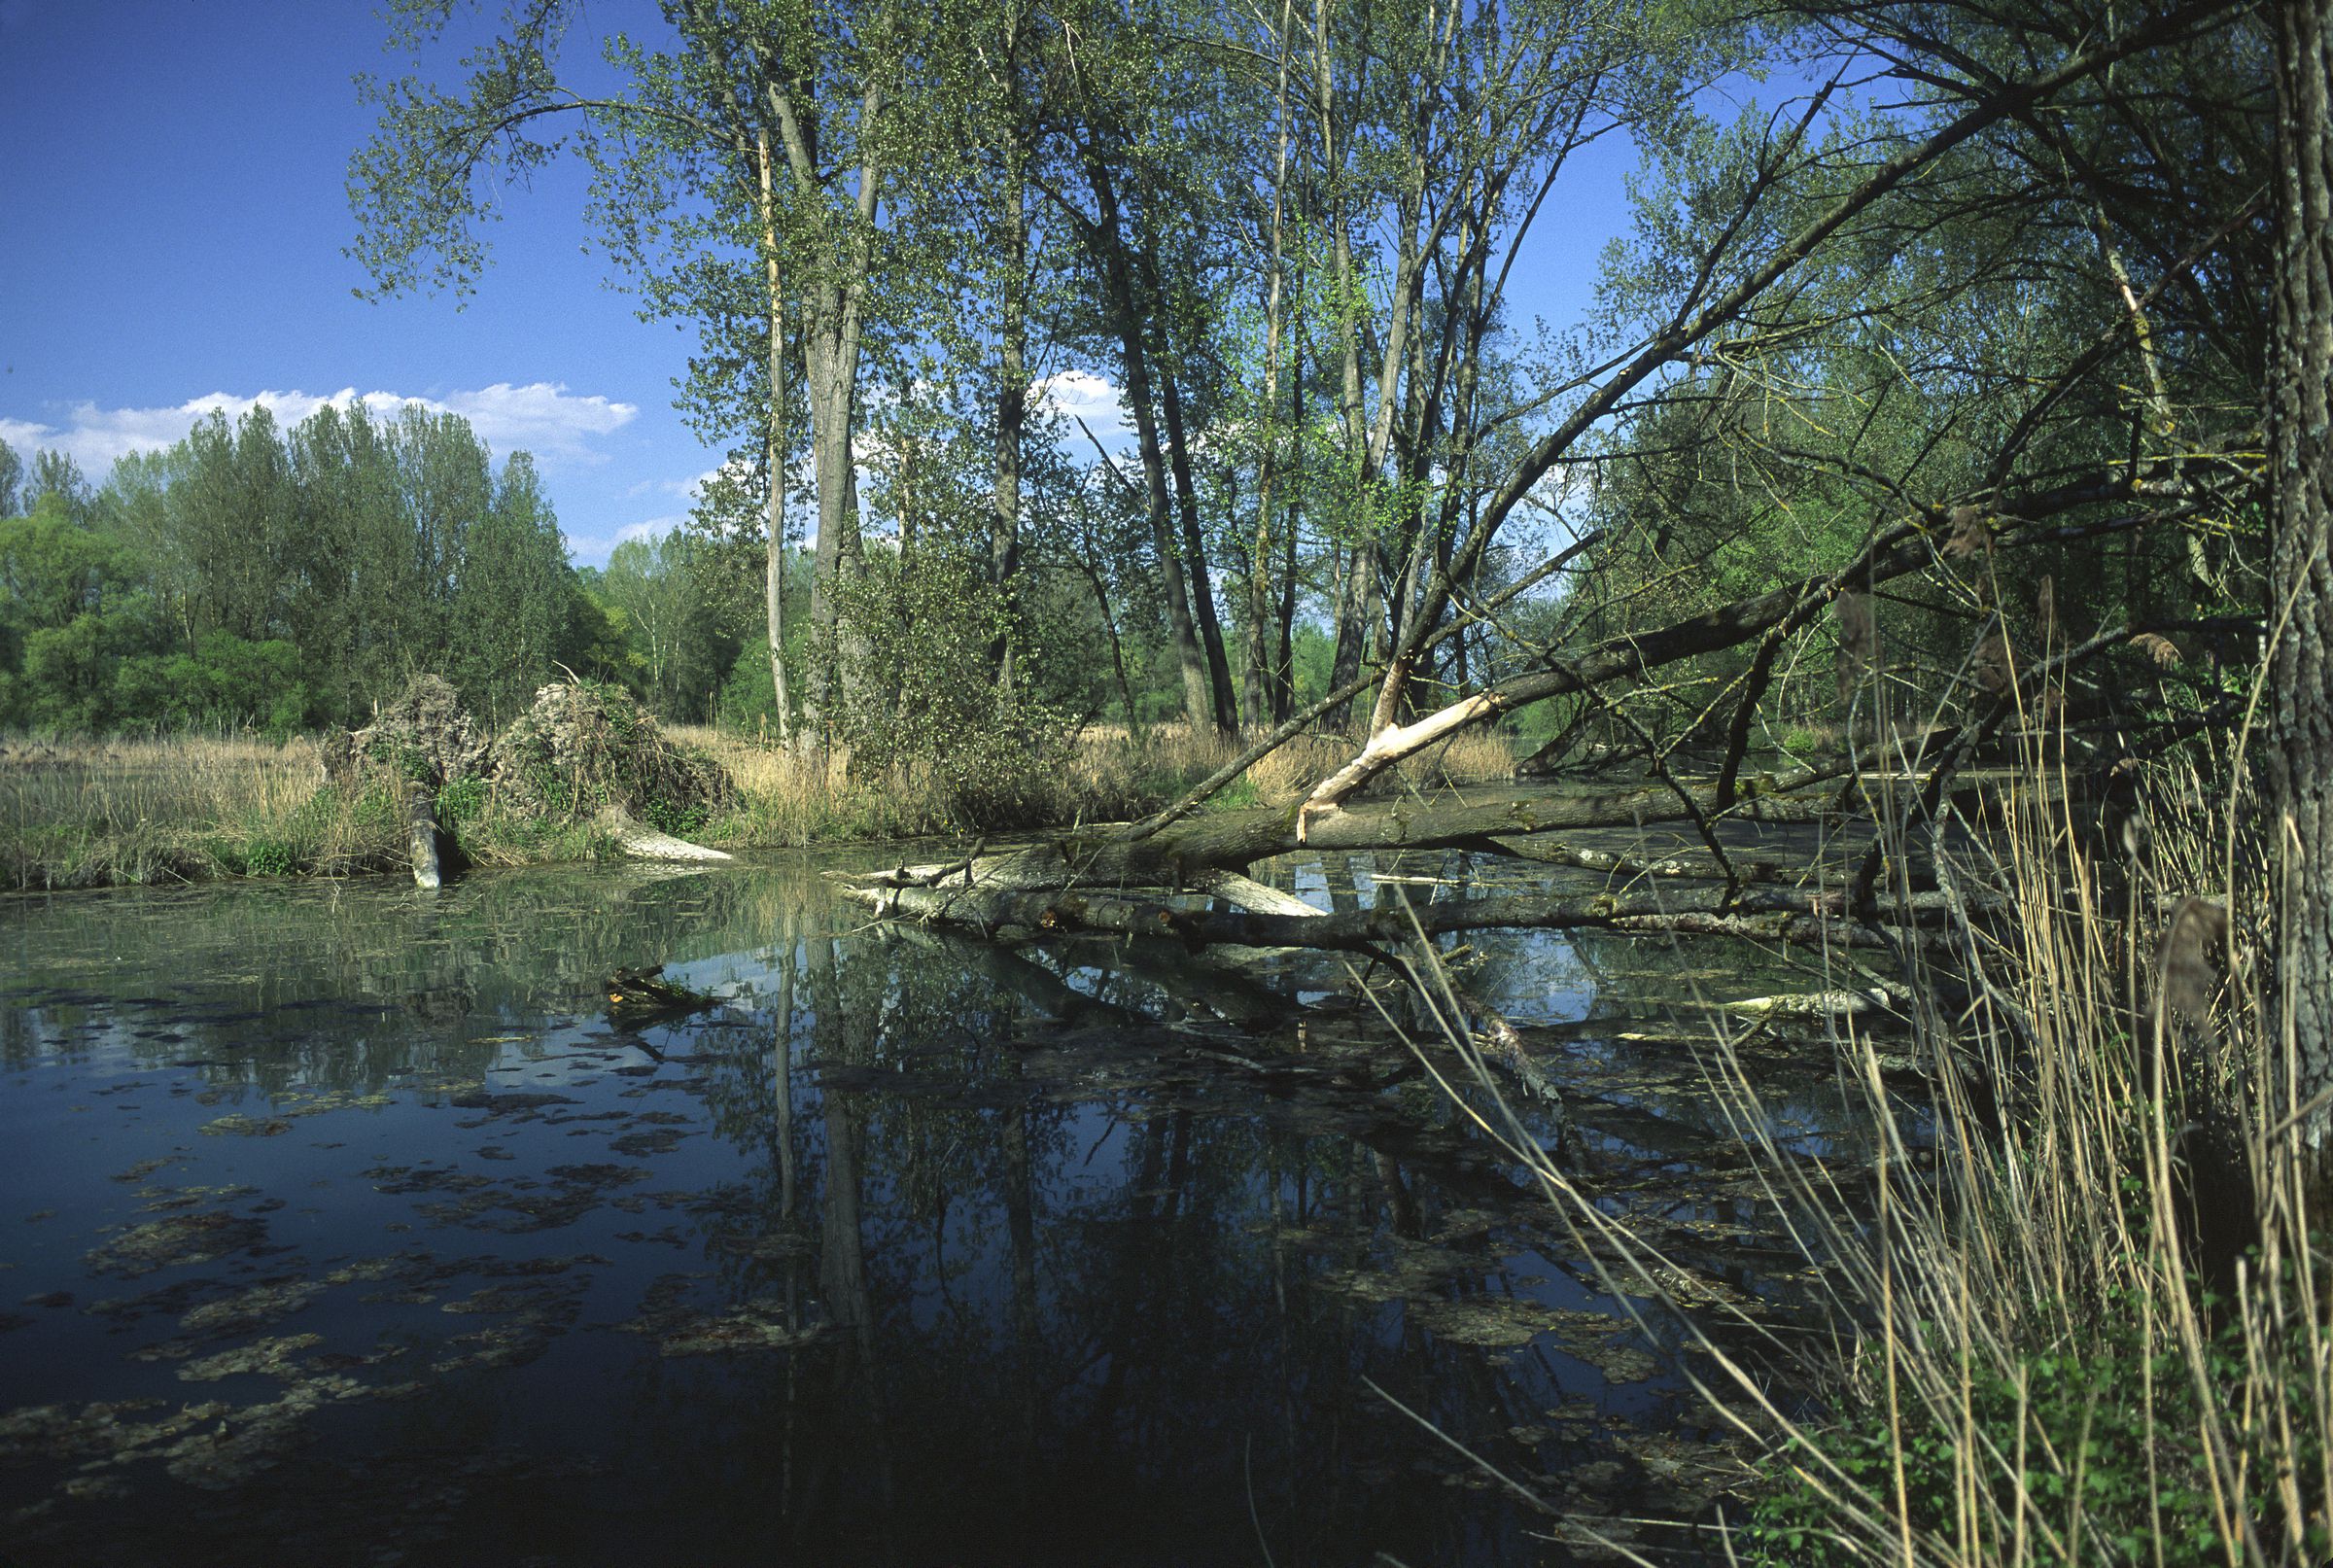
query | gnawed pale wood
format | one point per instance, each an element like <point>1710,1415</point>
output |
<point>1814,1004</point>
<point>421,835</point>
<point>644,843</point>
<point>1245,893</point>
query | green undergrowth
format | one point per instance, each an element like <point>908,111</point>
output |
<point>2085,1444</point>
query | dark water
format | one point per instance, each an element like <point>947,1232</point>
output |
<point>345,1221</point>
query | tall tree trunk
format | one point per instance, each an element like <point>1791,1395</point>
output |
<point>1263,706</point>
<point>1108,237</point>
<point>1199,701</point>
<point>1283,697</point>
<point>2299,753</point>
<point>1255,671</point>
<point>1226,703</point>
<point>1012,408</point>
<point>833,364</point>
<point>834,304</point>
<point>1283,664</point>
<point>773,580</point>
<point>1360,607</point>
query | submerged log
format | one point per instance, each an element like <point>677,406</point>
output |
<point>1026,915</point>
<point>421,835</point>
<point>643,996</point>
<point>1891,1002</point>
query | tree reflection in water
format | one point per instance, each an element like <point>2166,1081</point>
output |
<point>975,1255</point>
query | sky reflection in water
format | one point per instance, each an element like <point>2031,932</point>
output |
<point>346,1216</point>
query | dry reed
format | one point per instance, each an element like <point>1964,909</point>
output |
<point>77,813</point>
<point>95,812</point>
<point>2053,1344</point>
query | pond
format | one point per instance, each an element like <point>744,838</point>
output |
<point>358,1219</point>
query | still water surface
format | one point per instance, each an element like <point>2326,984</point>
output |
<point>353,1219</point>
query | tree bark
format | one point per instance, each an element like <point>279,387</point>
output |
<point>1195,561</point>
<point>833,305</point>
<point>1108,238</point>
<point>774,577</point>
<point>2299,753</point>
<point>421,835</point>
<point>1012,407</point>
<point>1005,915</point>
<point>1190,853</point>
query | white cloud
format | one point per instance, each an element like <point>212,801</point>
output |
<point>689,489</point>
<point>23,437</point>
<point>593,549</point>
<point>1083,395</point>
<point>542,417</point>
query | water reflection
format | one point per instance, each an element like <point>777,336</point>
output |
<point>350,1217</point>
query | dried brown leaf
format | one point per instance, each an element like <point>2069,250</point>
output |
<point>2187,960</point>
<point>1993,665</point>
<point>1966,532</point>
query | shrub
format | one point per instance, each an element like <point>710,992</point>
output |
<point>922,694</point>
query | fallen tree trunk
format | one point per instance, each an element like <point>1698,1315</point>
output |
<point>1195,854</point>
<point>644,843</point>
<point>1010,915</point>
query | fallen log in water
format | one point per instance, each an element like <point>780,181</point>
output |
<point>644,843</point>
<point>1820,1004</point>
<point>1195,852</point>
<point>1008,915</point>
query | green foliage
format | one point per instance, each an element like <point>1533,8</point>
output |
<point>923,694</point>
<point>248,577</point>
<point>461,801</point>
<point>2106,1416</point>
<point>227,682</point>
<point>749,701</point>
<point>269,858</point>
<point>681,612</point>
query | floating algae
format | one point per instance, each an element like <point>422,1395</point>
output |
<point>271,1356</point>
<point>175,1241</point>
<point>755,1325</point>
<point>258,1306</point>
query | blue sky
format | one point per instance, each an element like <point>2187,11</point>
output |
<point>172,215</point>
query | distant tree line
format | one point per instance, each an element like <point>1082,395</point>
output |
<point>249,576</point>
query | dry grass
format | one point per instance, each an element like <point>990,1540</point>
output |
<point>2053,1343</point>
<point>91,813</point>
<point>793,798</point>
<point>77,813</point>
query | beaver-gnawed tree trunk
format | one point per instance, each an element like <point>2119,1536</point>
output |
<point>2299,755</point>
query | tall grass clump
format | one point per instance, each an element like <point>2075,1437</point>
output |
<point>91,813</point>
<point>2077,1300</point>
<point>2087,1323</point>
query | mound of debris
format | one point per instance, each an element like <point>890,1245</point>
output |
<point>586,749</point>
<point>424,734</point>
<point>582,752</point>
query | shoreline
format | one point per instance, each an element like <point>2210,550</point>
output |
<point>79,816</point>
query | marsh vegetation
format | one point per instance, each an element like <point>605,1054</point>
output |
<point>1896,613</point>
